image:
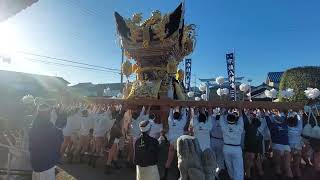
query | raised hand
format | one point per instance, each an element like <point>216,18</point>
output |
<point>192,163</point>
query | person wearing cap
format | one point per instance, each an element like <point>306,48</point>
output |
<point>44,145</point>
<point>280,143</point>
<point>146,154</point>
<point>232,129</point>
<point>134,130</point>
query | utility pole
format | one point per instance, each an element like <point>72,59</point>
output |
<point>195,82</point>
<point>122,56</point>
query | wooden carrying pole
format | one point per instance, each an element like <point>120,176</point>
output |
<point>215,103</point>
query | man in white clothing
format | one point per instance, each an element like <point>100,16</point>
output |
<point>176,122</point>
<point>216,140</point>
<point>72,126</point>
<point>86,123</point>
<point>201,127</point>
<point>232,128</point>
<point>156,126</point>
<point>101,126</point>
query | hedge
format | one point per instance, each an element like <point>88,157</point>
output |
<point>299,79</point>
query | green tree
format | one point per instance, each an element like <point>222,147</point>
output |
<point>299,79</point>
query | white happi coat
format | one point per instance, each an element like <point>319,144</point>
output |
<point>232,151</point>
<point>176,126</point>
<point>103,123</point>
<point>202,132</point>
<point>155,129</point>
<point>86,123</point>
<point>73,125</point>
<point>134,127</point>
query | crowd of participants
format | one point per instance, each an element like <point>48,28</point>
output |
<point>242,140</point>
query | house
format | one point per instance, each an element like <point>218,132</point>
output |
<point>15,85</point>
<point>257,93</point>
<point>109,89</point>
<point>84,89</point>
<point>89,89</point>
<point>273,79</point>
<point>213,86</point>
<point>20,84</point>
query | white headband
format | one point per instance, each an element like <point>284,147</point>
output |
<point>145,128</point>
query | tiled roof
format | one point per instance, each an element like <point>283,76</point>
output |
<point>275,76</point>
<point>20,76</point>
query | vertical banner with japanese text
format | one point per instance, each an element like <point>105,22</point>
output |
<point>187,74</point>
<point>231,75</point>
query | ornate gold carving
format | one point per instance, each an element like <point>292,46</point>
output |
<point>155,18</point>
<point>134,26</point>
<point>160,29</point>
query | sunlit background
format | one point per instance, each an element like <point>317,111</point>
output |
<point>268,35</point>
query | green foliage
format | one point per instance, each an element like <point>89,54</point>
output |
<point>299,79</point>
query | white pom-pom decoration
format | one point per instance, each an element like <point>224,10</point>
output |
<point>225,91</point>
<point>268,93</point>
<point>28,99</point>
<point>220,80</point>
<point>190,94</point>
<point>202,87</point>
<point>197,98</point>
<point>274,93</point>
<point>220,92</point>
<point>271,94</point>
<point>204,96</point>
<point>119,95</point>
<point>312,93</point>
<point>288,93</point>
<point>244,87</point>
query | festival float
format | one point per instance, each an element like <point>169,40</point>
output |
<point>156,46</point>
<point>153,49</point>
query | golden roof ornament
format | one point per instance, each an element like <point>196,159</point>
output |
<point>158,35</point>
<point>157,45</point>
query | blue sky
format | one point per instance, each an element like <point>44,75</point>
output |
<point>267,35</point>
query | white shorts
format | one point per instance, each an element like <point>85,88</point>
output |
<point>99,133</point>
<point>116,141</point>
<point>296,146</point>
<point>67,132</point>
<point>282,148</point>
<point>173,142</point>
<point>45,175</point>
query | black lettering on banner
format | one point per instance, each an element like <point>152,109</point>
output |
<point>231,74</point>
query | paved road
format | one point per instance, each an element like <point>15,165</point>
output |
<point>84,172</point>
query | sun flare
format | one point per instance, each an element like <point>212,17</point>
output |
<point>9,48</point>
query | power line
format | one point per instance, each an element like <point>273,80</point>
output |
<point>61,64</point>
<point>69,61</point>
<point>86,10</point>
